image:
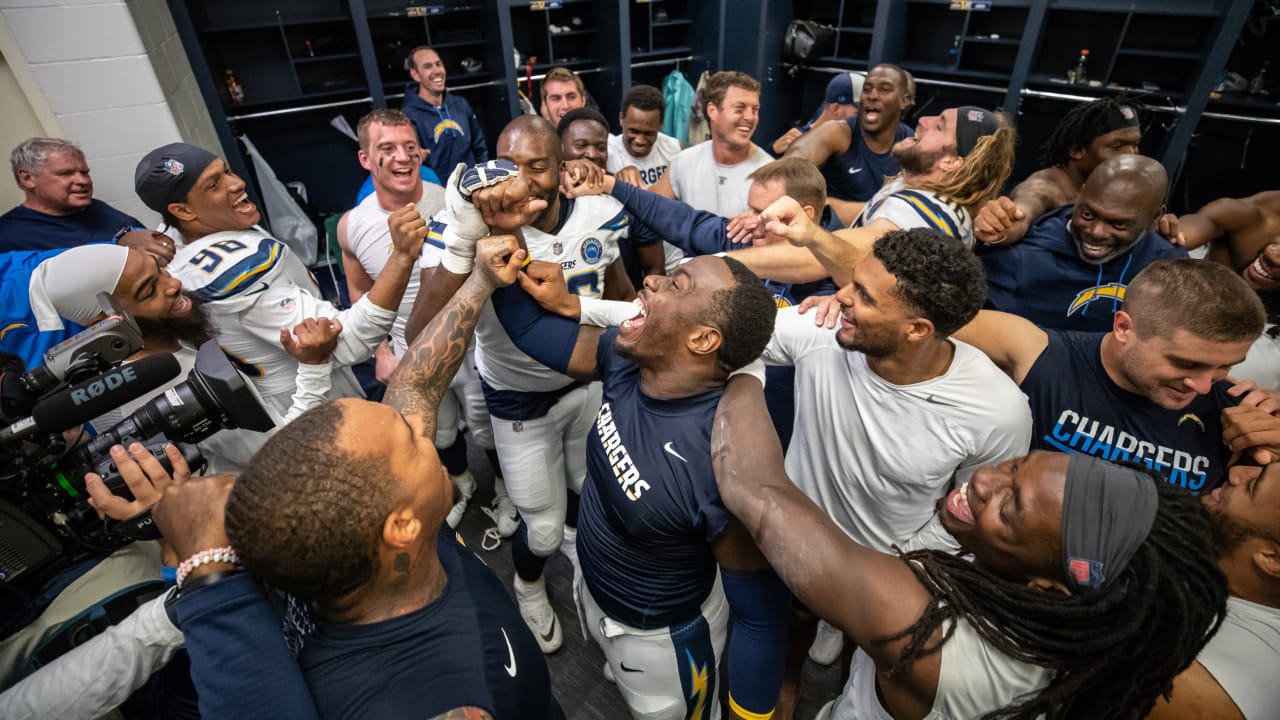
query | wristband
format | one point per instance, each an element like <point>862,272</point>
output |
<point>604,313</point>
<point>204,557</point>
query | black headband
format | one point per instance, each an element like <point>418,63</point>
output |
<point>1118,118</point>
<point>1107,513</point>
<point>972,124</point>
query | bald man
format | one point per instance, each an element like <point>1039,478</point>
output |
<point>1071,269</point>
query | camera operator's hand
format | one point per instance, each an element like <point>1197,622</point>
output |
<point>316,339</point>
<point>144,476</point>
<point>191,516</point>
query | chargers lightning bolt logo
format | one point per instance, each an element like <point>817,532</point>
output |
<point>1112,291</point>
<point>698,679</point>
<point>1193,418</point>
<point>445,126</point>
<point>11,326</point>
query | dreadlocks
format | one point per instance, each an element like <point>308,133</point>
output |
<point>1113,650</point>
<point>1080,126</point>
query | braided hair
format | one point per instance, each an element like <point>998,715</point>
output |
<point>1113,650</point>
<point>1080,126</point>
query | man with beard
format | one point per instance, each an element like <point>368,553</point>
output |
<point>712,175</point>
<point>1090,588</point>
<point>1233,677</point>
<point>50,296</point>
<point>251,282</point>
<point>230,449</point>
<point>891,409</point>
<point>956,160</point>
<point>541,417</point>
<point>855,154</point>
<point>1070,270</point>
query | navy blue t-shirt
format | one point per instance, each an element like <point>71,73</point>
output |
<point>25,229</point>
<point>467,648</point>
<point>1043,279</point>
<point>1077,408</point>
<point>650,505</point>
<point>858,173</point>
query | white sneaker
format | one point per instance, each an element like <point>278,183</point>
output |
<point>827,644</point>
<point>466,484</point>
<point>536,610</point>
<point>608,673</point>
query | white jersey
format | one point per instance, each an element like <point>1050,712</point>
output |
<point>369,240</point>
<point>974,679</point>
<point>877,456</point>
<point>652,166</point>
<point>584,245</point>
<point>915,208</point>
<point>701,182</point>
<point>1243,656</point>
<point>253,286</point>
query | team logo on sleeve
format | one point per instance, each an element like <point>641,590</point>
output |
<point>11,326</point>
<point>592,250</point>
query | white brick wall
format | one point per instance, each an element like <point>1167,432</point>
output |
<point>117,79</point>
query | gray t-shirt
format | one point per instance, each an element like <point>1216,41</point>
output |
<point>700,181</point>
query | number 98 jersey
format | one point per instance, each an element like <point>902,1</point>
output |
<point>252,286</point>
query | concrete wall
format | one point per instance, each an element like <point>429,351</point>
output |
<point>115,79</point>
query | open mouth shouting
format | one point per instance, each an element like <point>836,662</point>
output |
<point>636,322</point>
<point>957,504</point>
<point>243,205</point>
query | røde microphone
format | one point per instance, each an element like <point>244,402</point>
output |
<point>86,400</point>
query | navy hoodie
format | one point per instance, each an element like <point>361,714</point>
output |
<point>1043,279</point>
<point>449,131</point>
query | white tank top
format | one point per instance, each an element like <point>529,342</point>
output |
<point>975,679</point>
<point>369,238</point>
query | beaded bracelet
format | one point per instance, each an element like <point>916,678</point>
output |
<point>204,557</point>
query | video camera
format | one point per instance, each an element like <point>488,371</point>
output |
<point>45,520</point>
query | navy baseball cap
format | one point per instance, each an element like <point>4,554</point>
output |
<point>165,175</point>
<point>845,88</point>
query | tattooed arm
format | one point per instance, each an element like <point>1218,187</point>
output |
<point>429,365</point>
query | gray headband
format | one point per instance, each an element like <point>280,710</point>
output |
<point>1107,513</point>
